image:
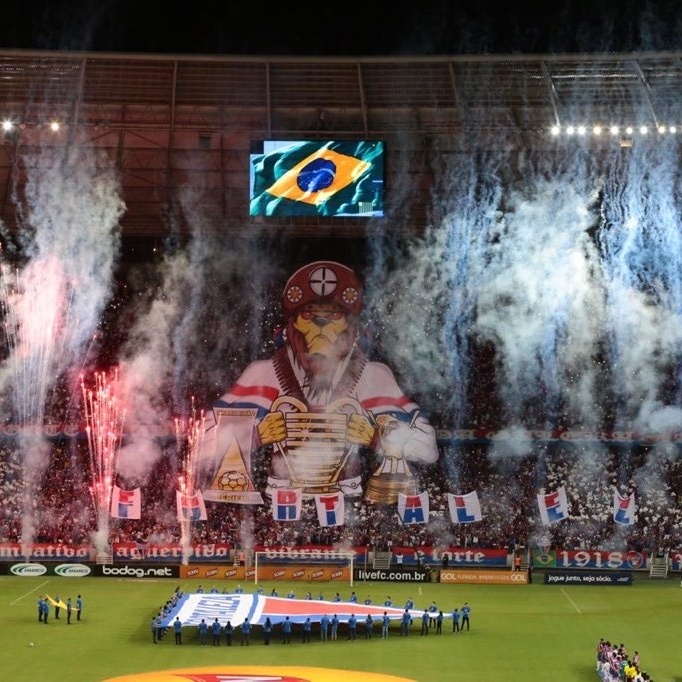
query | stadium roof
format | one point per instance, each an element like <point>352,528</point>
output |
<point>172,122</point>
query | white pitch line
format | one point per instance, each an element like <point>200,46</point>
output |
<point>573,604</point>
<point>23,596</point>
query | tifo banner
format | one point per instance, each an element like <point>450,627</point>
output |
<point>485,577</point>
<point>231,441</point>
<point>444,436</point>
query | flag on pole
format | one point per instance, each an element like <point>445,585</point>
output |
<point>464,508</point>
<point>553,506</point>
<point>286,504</point>
<point>191,507</point>
<point>126,504</point>
<point>413,508</point>
<point>623,509</point>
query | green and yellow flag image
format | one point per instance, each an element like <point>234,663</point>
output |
<point>318,178</point>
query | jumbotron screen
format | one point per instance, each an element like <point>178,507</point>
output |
<point>317,178</point>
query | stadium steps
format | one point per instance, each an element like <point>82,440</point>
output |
<point>659,567</point>
<point>104,558</point>
<point>246,557</point>
<point>382,560</point>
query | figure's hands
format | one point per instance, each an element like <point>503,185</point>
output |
<point>359,430</point>
<point>272,428</point>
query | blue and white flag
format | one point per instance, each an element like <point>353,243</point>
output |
<point>553,506</point>
<point>330,509</point>
<point>413,508</point>
<point>464,508</point>
<point>624,509</point>
<point>126,504</point>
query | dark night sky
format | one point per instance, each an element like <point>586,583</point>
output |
<point>343,29</point>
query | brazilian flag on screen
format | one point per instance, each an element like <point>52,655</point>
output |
<point>318,178</point>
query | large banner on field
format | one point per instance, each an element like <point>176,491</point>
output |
<point>193,608</point>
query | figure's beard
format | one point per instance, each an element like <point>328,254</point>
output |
<point>321,374</point>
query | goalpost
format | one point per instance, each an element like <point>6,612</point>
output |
<point>323,566</point>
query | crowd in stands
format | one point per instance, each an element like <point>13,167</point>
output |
<point>615,664</point>
<point>60,508</point>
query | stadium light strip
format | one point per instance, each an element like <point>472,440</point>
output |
<point>8,125</point>
<point>613,130</point>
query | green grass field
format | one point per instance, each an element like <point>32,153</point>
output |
<point>531,632</point>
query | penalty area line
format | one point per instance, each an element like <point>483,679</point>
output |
<point>570,601</point>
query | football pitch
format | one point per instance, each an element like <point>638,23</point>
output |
<point>531,632</point>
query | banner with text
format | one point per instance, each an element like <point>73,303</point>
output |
<point>587,578</point>
<point>133,551</point>
<point>589,558</point>
<point>485,577</point>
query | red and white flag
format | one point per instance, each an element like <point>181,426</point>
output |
<point>126,504</point>
<point>413,508</point>
<point>623,509</point>
<point>286,504</point>
<point>553,506</point>
<point>191,507</point>
<point>331,509</point>
<point>464,508</point>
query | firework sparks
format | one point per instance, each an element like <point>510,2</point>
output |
<point>189,435</point>
<point>104,419</point>
<point>35,306</point>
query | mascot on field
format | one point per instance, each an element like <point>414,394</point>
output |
<point>320,405</point>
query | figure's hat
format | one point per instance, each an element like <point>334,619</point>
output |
<point>323,282</point>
